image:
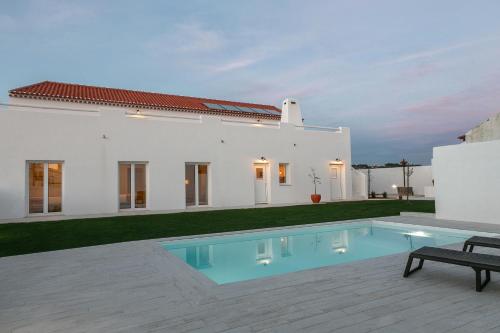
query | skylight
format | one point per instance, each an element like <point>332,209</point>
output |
<point>240,108</point>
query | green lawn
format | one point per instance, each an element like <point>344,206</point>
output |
<point>21,238</point>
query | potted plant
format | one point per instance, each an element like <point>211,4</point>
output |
<point>373,195</point>
<point>384,195</point>
<point>315,198</point>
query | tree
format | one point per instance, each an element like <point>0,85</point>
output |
<point>314,178</point>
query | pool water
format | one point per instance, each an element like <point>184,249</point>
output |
<point>252,255</point>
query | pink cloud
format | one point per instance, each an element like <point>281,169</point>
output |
<point>453,113</point>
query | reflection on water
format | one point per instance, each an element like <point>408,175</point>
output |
<point>230,259</point>
<point>199,256</point>
<point>285,246</point>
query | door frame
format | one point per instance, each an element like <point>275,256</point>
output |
<point>196,190</point>
<point>341,177</point>
<point>267,181</point>
<point>45,187</point>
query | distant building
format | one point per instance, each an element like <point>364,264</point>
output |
<point>486,131</point>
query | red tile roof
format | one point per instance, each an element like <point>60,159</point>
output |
<point>137,99</point>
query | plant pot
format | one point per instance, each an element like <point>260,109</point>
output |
<point>316,198</point>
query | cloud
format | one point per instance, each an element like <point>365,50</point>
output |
<point>235,64</point>
<point>187,38</point>
<point>418,71</point>
<point>46,14</point>
<point>426,54</point>
<point>453,113</point>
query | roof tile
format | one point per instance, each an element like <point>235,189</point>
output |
<point>112,96</point>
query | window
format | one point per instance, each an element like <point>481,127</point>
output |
<point>259,173</point>
<point>196,184</point>
<point>284,173</point>
<point>133,190</point>
<point>44,187</point>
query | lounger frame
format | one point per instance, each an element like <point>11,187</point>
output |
<point>490,242</point>
<point>478,268</point>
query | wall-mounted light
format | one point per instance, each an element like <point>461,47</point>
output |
<point>337,161</point>
<point>221,140</point>
<point>394,186</point>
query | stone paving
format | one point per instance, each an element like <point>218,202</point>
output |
<point>139,287</point>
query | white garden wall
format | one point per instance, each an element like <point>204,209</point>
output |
<point>359,185</point>
<point>383,179</point>
<point>467,182</point>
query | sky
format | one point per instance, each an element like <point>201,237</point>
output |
<point>403,75</point>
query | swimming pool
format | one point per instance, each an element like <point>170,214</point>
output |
<point>246,256</point>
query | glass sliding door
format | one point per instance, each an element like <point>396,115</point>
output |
<point>125,186</point>
<point>54,187</point>
<point>196,184</point>
<point>132,185</point>
<point>36,187</point>
<point>45,186</point>
<point>190,185</point>
<point>140,185</point>
<point>202,184</point>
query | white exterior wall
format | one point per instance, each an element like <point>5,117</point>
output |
<point>467,182</point>
<point>90,171</point>
<point>382,179</point>
<point>359,185</point>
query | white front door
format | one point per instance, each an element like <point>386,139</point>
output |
<point>335,182</point>
<point>260,183</point>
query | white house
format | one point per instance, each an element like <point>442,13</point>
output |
<point>467,175</point>
<point>70,149</point>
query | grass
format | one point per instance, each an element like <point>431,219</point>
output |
<point>22,238</point>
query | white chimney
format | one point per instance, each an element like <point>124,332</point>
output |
<point>290,112</point>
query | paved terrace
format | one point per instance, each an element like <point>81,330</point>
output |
<point>138,287</point>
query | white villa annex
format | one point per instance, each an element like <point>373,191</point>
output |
<point>467,177</point>
<point>70,150</point>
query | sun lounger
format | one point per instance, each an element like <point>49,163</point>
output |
<point>481,241</point>
<point>477,261</point>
